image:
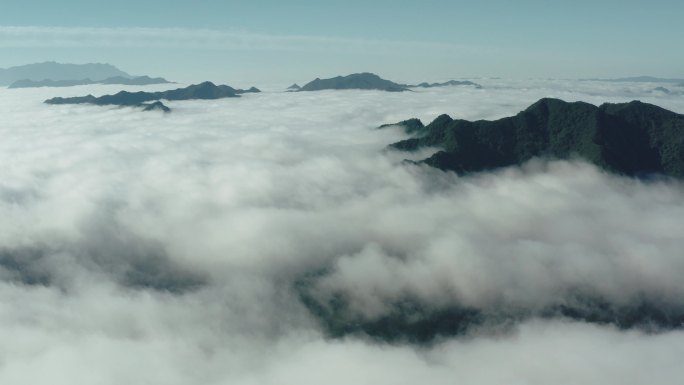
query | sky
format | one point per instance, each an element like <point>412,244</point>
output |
<point>276,41</point>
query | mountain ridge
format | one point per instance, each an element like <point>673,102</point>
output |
<point>445,84</point>
<point>371,81</point>
<point>632,138</point>
<point>206,90</point>
<point>358,81</point>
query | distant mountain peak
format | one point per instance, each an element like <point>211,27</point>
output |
<point>156,106</point>
<point>133,81</point>
<point>357,81</point>
<point>445,84</point>
<point>371,81</point>
<point>51,70</point>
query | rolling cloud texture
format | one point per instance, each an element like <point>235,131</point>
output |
<point>235,241</point>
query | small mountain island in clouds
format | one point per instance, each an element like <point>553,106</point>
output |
<point>360,81</point>
<point>52,74</point>
<point>370,81</point>
<point>205,90</point>
<point>635,138</point>
<point>667,91</point>
<point>155,106</point>
<point>450,83</point>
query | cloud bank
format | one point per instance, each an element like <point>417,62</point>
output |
<point>197,247</point>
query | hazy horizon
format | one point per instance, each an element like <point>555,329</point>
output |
<point>278,84</point>
<point>273,42</point>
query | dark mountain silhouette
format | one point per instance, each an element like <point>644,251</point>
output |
<point>155,106</point>
<point>411,320</point>
<point>663,90</point>
<point>635,138</point>
<point>58,71</point>
<point>206,90</point>
<point>294,87</point>
<point>445,84</point>
<point>134,81</point>
<point>360,81</point>
<point>369,81</point>
<point>410,126</point>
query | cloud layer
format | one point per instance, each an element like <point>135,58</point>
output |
<point>142,247</point>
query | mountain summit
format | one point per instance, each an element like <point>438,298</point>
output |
<point>360,81</point>
<point>59,71</point>
<point>628,138</point>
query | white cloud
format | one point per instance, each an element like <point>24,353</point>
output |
<point>187,38</point>
<point>246,195</point>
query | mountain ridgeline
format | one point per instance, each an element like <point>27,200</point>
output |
<point>361,81</point>
<point>206,90</point>
<point>635,139</point>
<point>445,84</point>
<point>369,81</point>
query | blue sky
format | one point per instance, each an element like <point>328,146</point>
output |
<point>299,40</point>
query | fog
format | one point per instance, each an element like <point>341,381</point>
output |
<point>212,245</point>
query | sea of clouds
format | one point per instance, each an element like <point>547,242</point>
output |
<point>149,248</point>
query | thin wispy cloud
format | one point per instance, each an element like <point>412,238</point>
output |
<point>186,38</point>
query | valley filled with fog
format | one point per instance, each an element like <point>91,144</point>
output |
<point>202,245</point>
